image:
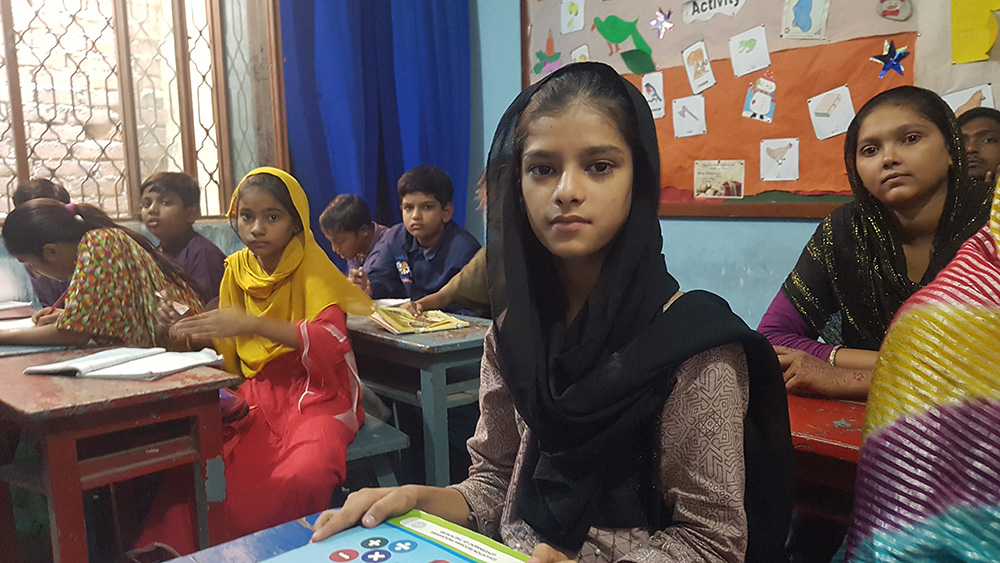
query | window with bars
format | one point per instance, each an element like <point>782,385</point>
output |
<point>99,94</point>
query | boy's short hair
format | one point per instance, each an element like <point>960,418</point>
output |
<point>988,113</point>
<point>346,213</point>
<point>38,188</point>
<point>426,179</point>
<point>178,183</point>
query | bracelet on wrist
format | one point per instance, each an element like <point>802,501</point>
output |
<point>833,355</point>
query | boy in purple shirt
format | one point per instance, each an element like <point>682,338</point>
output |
<point>419,256</point>
<point>47,290</point>
<point>170,206</point>
<point>347,224</point>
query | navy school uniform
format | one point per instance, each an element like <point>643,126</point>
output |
<point>399,267</point>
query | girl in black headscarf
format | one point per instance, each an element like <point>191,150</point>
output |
<point>620,418</point>
<point>914,206</point>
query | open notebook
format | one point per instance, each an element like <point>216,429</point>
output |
<point>15,309</point>
<point>130,363</point>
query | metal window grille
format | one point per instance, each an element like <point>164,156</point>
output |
<point>72,111</point>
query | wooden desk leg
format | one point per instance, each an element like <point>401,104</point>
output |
<point>209,477</point>
<point>8,531</point>
<point>434,410</point>
<point>62,483</point>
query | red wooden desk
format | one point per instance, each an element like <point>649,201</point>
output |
<point>61,411</point>
<point>826,435</point>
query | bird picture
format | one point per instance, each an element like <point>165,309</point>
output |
<point>615,31</point>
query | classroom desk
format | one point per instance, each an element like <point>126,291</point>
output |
<point>257,546</point>
<point>433,353</point>
<point>826,435</point>
<point>62,411</point>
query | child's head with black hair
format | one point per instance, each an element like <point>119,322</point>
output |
<point>265,217</point>
<point>425,194</point>
<point>37,188</point>
<point>347,224</point>
<point>170,206</point>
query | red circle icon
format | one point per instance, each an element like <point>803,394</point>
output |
<point>343,555</point>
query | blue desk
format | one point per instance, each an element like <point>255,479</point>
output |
<point>257,547</point>
<point>432,353</point>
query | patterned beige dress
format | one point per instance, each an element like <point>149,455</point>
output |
<point>701,467</point>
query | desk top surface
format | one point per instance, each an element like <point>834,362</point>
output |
<point>827,427</point>
<point>43,397</point>
<point>258,546</point>
<point>366,330</point>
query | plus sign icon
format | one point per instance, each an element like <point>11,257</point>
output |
<point>376,556</point>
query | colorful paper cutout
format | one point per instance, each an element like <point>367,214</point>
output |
<point>898,10</point>
<point>548,60</point>
<point>748,51</point>
<point>891,58</point>
<point>779,160</point>
<point>698,67</point>
<point>831,112</point>
<point>615,30</point>
<point>964,100</point>
<point>719,179</point>
<point>759,102</point>
<point>973,29</point>
<point>661,23</point>
<point>689,116</point>
<point>704,10</point>
<point>580,55</point>
<point>571,15</point>
<point>804,19</point>
<point>652,89</point>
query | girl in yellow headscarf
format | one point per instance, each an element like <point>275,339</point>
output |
<point>281,325</point>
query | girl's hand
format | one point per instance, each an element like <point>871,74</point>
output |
<point>220,323</point>
<point>806,374</point>
<point>545,553</point>
<point>46,316</point>
<point>369,506</point>
<point>169,312</point>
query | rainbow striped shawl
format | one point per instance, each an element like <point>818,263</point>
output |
<point>928,484</point>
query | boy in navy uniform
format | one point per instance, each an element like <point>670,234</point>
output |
<point>419,256</point>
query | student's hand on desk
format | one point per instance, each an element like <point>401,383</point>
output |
<point>412,307</point>
<point>46,316</point>
<point>806,374</point>
<point>545,553</point>
<point>220,323</point>
<point>358,277</point>
<point>368,506</point>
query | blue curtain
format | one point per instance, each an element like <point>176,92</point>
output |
<point>372,89</point>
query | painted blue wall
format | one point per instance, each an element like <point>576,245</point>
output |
<point>745,261</point>
<point>496,81</point>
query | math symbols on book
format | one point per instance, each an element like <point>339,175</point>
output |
<point>372,543</point>
<point>376,556</point>
<point>344,555</point>
<point>402,546</point>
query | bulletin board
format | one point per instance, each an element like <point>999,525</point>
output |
<point>765,143</point>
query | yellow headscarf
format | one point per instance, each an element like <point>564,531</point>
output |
<point>304,283</point>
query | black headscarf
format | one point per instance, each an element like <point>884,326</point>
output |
<point>854,264</point>
<point>592,392</point>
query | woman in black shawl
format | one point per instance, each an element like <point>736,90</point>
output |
<point>620,418</point>
<point>914,206</point>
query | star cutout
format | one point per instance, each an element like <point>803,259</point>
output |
<point>891,59</point>
<point>662,23</point>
